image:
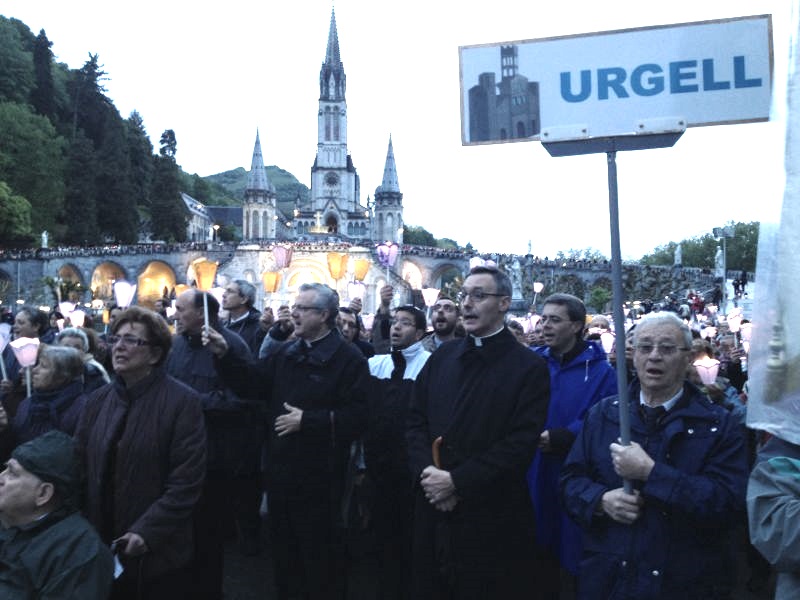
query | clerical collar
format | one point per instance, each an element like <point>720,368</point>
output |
<point>231,320</point>
<point>668,404</point>
<point>313,342</point>
<point>479,340</point>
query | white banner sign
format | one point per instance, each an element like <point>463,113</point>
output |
<point>618,82</point>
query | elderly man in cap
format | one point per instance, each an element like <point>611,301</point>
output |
<point>47,549</point>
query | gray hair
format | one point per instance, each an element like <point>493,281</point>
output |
<point>327,299</point>
<point>247,291</point>
<point>75,333</point>
<point>67,361</point>
<point>664,317</point>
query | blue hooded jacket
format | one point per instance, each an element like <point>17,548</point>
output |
<point>574,388</point>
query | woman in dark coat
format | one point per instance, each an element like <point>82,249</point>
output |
<point>143,441</point>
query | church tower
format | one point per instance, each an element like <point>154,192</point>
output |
<point>334,182</point>
<point>388,203</point>
<point>259,200</point>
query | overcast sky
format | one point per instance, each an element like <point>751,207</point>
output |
<point>214,73</point>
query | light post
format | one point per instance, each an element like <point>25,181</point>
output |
<point>430,295</point>
<point>538,286</point>
<point>724,233</point>
<point>215,227</point>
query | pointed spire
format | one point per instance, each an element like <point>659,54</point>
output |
<point>258,179</point>
<point>332,53</point>
<point>390,183</point>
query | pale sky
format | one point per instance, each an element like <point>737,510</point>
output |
<point>215,75</point>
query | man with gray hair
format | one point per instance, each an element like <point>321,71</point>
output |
<point>670,535</point>
<point>47,549</point>
<point>239,299</point>
<point>314,390</point>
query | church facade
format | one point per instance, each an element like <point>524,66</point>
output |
<point>334,205</point>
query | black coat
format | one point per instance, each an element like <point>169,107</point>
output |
<point>489,404</point>
<point>328,383</point>
<point>249,329</point>
<point>231,421</point>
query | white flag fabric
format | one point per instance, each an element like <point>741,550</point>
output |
<point>774,372</point>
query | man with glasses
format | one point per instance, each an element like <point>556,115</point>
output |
<point>385,452</point>
<point>671,535</point>
<point>314,390</point>
<point>580,376</point>
<point>477,410</point>
<point>444,319</point>
<point>239,300</point>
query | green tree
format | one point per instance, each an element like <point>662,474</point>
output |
<point>15,218</point>
<point>16,62</point>
<point>117,216</point>
<point>32,162</point>
<point>43,94</point>
<point>168,214</point>
<point>599,297</point>
<point>201,189</point>
<point>168,144</point>
<point>418,236</point>
<point>80,203</point>
<point>140,155</point>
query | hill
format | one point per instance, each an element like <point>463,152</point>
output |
<point>287,187</point>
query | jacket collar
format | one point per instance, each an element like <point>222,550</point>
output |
<point>320,351</point>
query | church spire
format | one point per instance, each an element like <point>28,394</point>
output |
<point>332,80</point>
<point>332,54</point>
<point>258,180</point>
<point>390,183</point>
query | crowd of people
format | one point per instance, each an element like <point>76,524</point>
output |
<point>455,455</point>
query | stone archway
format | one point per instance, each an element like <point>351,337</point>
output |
<point>103,278</point>
<point>156,278</point>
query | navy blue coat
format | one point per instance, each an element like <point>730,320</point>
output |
<point>679,547</point>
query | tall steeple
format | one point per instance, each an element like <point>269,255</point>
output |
<point>257,179</point>
<point>332,80</point>
<point>259,206</point>
<point>388,202</point>
<point>390,183</point>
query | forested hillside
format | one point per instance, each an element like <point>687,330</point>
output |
<point>71,165</point>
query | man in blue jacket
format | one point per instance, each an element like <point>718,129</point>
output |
<point>687,462</point>
<point>580,376</point>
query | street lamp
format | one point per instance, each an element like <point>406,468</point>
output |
<point>538,286</point>
<point>215,226</point>
<point>724,233</point>
<point>430,296</point>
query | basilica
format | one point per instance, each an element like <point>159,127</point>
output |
<point>334,206</point>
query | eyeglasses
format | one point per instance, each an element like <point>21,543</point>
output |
<point>303,308</point>
<point>129,341</point>
<point>402,323</point>
<point>663,349</point>
<point>476,295</point>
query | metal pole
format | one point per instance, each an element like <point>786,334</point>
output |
<point>618,313</point>
<point>724,273</point>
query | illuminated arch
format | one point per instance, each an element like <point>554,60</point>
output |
<point>103,278</point>
<point>156,277</point>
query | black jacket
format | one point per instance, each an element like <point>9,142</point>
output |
<point>489,404</point>
<point>249,329</point>
<point>328,383</point>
